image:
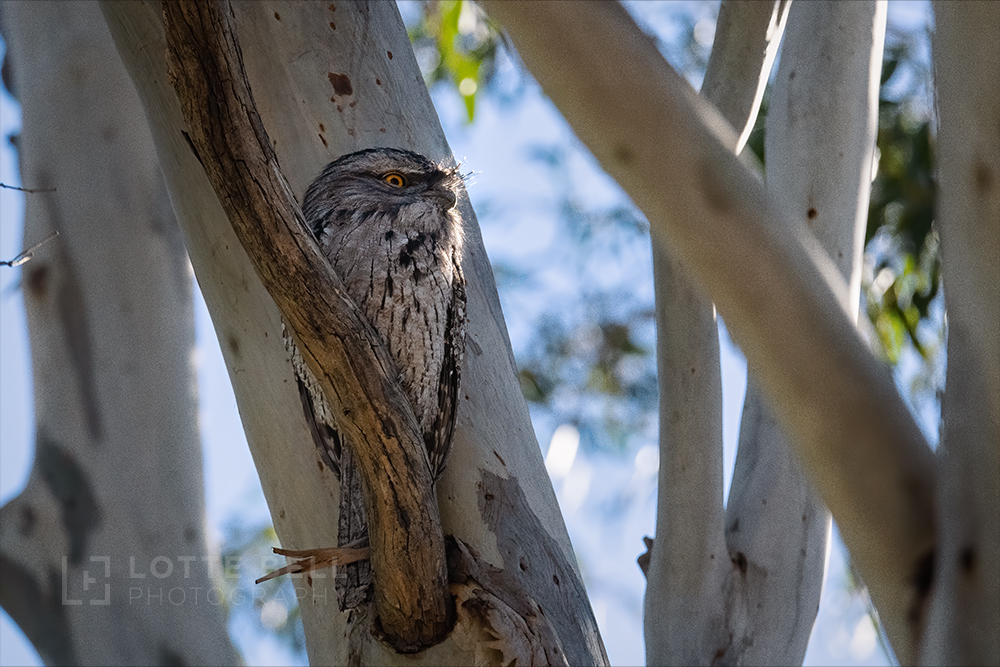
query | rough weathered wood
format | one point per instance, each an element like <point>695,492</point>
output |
<point>413,608</point>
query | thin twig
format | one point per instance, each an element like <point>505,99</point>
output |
<point>29,190</point>
<point>317,559</point>
<point>28,253</point>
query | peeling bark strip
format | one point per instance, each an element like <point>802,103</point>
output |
<point>413,608</point>
<point>546,580</point>
<point>500,624</point>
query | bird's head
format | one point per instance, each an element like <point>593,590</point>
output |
<point>379,180</point>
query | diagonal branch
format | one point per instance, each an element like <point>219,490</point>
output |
<point>780,294</point>
<point>412,603</point>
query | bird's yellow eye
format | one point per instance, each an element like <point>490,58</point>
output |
<point>395,179</point>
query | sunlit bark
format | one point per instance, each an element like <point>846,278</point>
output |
<point>747,35</point>
<point>820,140</point>
<point>780,293</point>
<point>495,496</point>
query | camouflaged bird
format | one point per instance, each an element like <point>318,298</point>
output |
<point>386,219</point>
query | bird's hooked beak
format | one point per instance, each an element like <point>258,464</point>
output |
<point>443,196</point>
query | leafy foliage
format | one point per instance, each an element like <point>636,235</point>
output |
<point>455,42</point>
<point>901,240</point>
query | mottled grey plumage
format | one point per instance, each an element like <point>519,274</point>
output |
<point>386,220</point>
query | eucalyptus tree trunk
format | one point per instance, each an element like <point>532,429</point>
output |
<point>692,613</point>
<point>790,307</point>
<point>756,583</point>
<point>963,619</point>
<point>819,147</point>
<point>103,555</point>
<point>328,79</point>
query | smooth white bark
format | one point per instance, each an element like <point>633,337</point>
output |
<point>779,292</point>
<point>685,605</point>
<point>820,140</point>
<point>776,528</point>
<point>104,554</point>
<point>329,80</point>
<point>963,617</point>
<point>747,35</point>
<point>689,605</point>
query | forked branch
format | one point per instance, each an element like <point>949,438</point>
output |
<point>779,293</point>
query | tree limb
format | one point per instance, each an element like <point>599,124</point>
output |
<point>688,592</point>
<point>747,35</point>
<point>781,296</point>
<point>820,141</point>
<point>684,607</point>
<point>412,603</point>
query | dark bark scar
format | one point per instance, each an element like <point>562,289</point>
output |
<point>341,84</point>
